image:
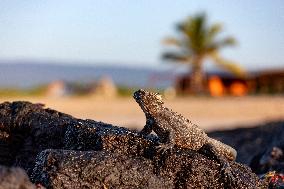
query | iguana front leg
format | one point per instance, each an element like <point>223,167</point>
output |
<point>148,128</point>
<point>167,142</point>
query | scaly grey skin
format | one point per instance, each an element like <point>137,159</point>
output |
<point>173,129</point>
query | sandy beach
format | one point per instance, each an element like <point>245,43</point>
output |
<point>208,113</point>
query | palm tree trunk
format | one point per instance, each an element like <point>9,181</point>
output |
<point>197,77</point>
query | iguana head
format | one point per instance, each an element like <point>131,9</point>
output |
<point>148,101</point>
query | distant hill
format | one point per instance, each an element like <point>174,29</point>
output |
<point>29,74</point>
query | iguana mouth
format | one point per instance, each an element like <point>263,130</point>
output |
<point>138,96</point>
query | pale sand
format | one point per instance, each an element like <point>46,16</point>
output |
<point>208,113</point>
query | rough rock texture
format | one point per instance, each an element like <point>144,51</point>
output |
<point>95,169</point>
<point>26,129</point>
<point>260,147</point>
<point>271,160</point>
<point>91,154</point>
<point>93,135</point>
<point>14,178</point>
<point>178,169</point>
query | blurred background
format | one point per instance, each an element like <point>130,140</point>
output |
<point>221,63</point>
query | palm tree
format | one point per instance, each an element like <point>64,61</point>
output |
<point>198,42</point>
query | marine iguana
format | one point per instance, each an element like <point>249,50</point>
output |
<point>175,130</point>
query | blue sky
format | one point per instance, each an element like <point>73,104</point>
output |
<point>131,32</point>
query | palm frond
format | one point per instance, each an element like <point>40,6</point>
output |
<point>229,65</point>
<point>176,57</point>
<point>213,31</point>
<point>198,39</point>
<point>228,41</point>
<point>172,41</point>
<point>194,31</point>
<point>215,46</point>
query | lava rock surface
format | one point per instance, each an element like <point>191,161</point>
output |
<point>260,147</point>
<point>59,151</point>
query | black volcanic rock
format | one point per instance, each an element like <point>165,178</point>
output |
<point>259,147</point>
<point>95,169</point>
<point>60,151</point>
<point>98,169</point>
<point>93,135</point>
<point>26,129</point>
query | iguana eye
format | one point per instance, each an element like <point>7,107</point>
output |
<point>137,97</point>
